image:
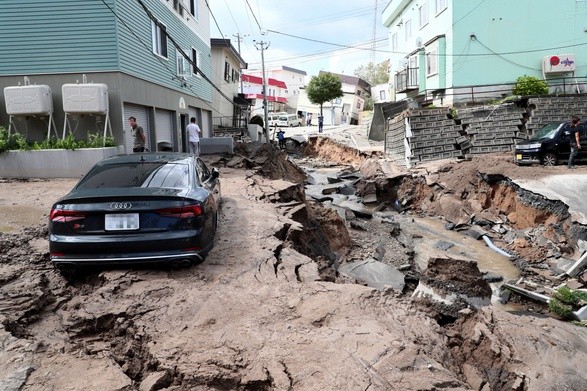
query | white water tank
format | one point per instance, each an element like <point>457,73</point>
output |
<point>85,98</point>
<point>28,100</point>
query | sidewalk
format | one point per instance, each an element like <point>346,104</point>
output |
<point>355,136</point>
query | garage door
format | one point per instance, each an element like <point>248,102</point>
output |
<point>164,128</point>
<point>141,113</point>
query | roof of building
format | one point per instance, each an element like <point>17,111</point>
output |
<point>294,70</point>
<point>352,80</point>
<point>221,42</point>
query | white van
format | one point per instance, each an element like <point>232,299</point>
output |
<point>289,120</point>
<point>272,119</point>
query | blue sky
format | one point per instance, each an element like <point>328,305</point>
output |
<point>293,27</point>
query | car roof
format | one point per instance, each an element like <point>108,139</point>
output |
<point>149,157</point>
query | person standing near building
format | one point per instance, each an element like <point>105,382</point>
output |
<point>574,141</point>
<point>320,123</point>
<point>309,119</point>
<point>194,131</point>
<point>138,136</point>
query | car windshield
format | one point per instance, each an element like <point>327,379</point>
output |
<point>548,131</point>
<point>155,174</point>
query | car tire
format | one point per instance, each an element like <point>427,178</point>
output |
<point>550,159</point>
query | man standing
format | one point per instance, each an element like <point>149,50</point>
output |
<point>574,140</point>
<point>320,123</point>
<point>194,136</point>
<point>138,136</point>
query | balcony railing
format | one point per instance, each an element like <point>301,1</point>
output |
<point>406,80</point>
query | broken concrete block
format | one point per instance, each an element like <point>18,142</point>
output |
<point>375,274</point>
<point>358,225</point>
<point>581,314</point>
<point>578,266</point>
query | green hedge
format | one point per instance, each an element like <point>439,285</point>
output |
<point>15,141</point>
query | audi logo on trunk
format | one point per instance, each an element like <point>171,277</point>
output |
<point>120,205</point>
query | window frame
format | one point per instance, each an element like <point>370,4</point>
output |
<point>408,29</point>
<point>423,15</point>
<point>184,69</point>
<point>194,8</point>
<point>226,71</point>
<point>159,39</point>
<point>196,61</point>
<point>441,5</point>
<point>431,62</point>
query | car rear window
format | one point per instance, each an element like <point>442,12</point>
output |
<point>155,174</point>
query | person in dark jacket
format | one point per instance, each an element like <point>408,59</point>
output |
<point>574,140</point>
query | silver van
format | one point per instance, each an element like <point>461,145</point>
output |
<point>289,120</point>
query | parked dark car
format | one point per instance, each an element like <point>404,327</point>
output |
<point>549,146</point>
<point>140,208</point>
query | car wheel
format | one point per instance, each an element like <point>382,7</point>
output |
<point>550,159</point>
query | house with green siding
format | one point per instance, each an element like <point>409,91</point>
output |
<point>445,51</point>
<point>137,52</point>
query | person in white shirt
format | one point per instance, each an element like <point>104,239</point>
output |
<point>194,136</point>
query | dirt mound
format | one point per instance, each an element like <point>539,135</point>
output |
<point>330,150</point>
<point>270,161</point>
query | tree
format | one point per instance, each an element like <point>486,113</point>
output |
<point>374,73</point>
<point>323,88</point>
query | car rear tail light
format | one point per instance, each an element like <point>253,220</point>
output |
<point>66,216</point>
<point>183,212</point>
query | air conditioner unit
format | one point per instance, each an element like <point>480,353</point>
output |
<point>558,63</point>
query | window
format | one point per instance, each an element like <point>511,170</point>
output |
<point>226,71</point>
<point>194,8</point>
<point>382,95</point>
<point>394,42</point>
<point>178,6</point>
<point>431,62</point>
<point>423,14</point>
<point>195,57</point>
<point>338,101</point>
<point>183,66</point>
<point>408,29</point>
<point>440,6</point>
<point>159,37</point>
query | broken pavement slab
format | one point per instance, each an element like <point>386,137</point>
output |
<point>375,274</point>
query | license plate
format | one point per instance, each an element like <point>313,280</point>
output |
<point>121,221</point>
<point>519,156</point>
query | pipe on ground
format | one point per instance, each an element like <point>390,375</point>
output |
<point>494,247</point>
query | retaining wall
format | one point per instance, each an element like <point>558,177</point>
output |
<point>420,135</point>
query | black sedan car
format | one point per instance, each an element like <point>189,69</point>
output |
<point>141,208</point>
<point>549,146</point>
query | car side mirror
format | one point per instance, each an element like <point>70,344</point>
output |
<point>215,173</point>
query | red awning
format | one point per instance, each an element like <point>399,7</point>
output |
<point>252,79</point>
<point>276,83</point>
<point>281,99</point>
<point>259,80</point>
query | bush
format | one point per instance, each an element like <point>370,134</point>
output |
<point>15,141</point>
<point>530,85</point>
<point>565,300</point>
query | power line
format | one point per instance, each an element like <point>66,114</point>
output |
<point>258,24</point>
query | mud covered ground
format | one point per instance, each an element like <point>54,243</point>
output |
<point>267,309</point>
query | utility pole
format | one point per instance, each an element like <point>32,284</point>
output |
<point>374,32</point>
<point>239,38</point>
<point>261,46</point>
